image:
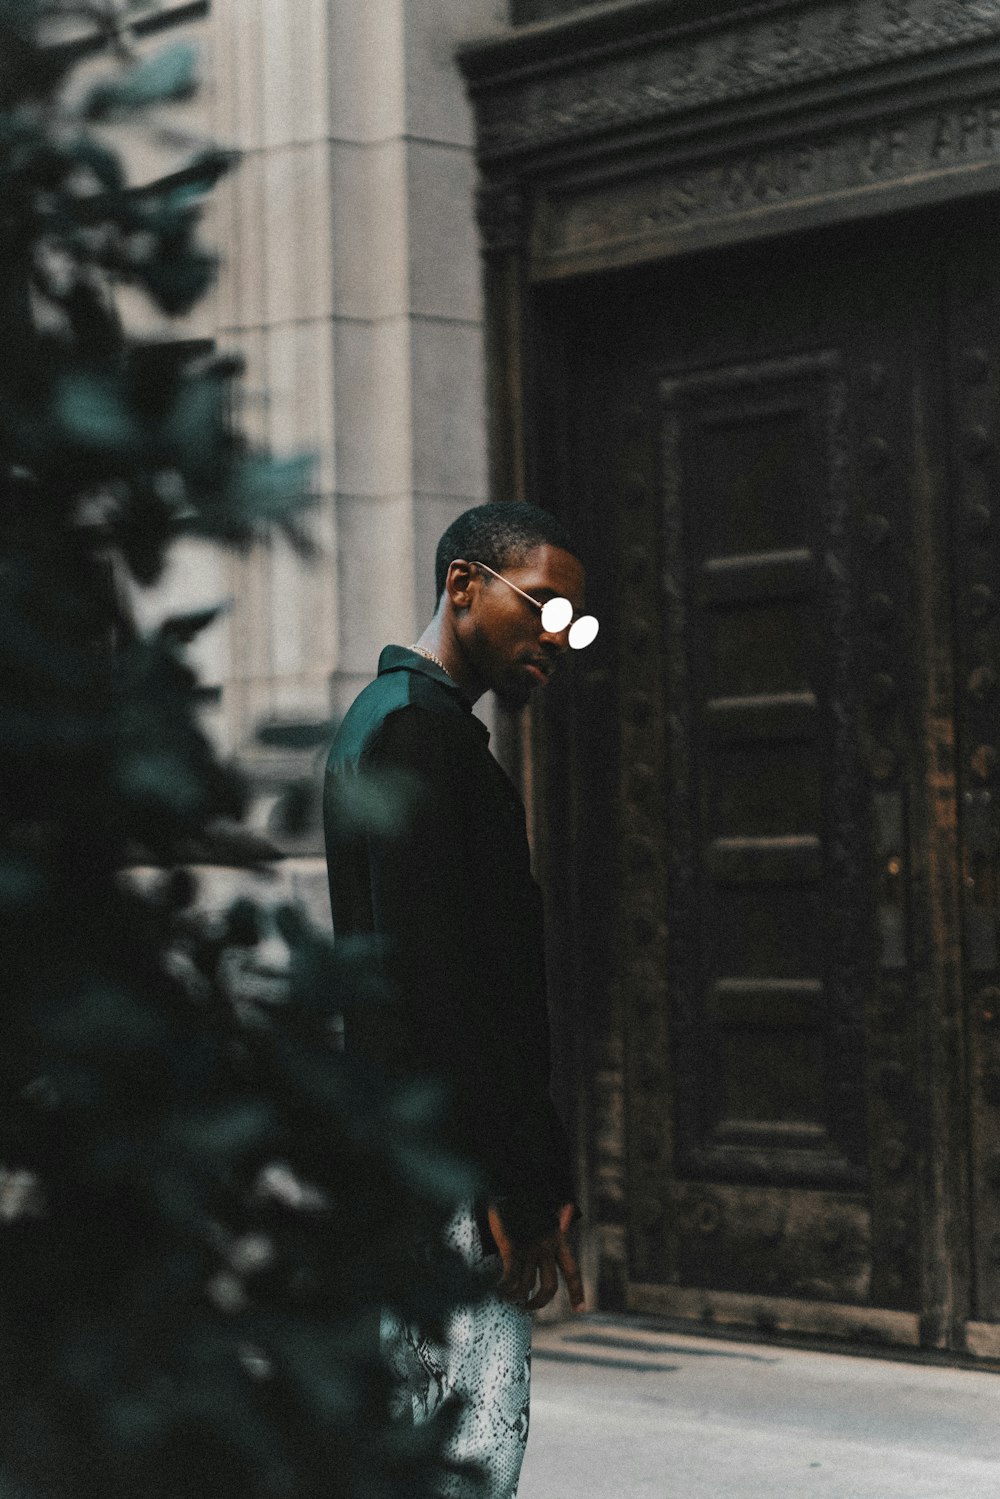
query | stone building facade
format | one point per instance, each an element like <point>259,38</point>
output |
<point>350,281</point>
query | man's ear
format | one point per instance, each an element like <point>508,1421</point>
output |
<point>462,580</point>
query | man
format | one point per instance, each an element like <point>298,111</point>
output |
<point>452,892</point>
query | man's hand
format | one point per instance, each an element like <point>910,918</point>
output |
<point>541,1261</point>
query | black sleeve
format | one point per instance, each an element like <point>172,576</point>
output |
<point>465,955</point>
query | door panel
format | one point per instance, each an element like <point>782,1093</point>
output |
<point>754,503</point>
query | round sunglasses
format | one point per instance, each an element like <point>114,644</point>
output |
<point>556,614</point>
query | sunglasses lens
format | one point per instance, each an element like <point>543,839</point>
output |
<point>583,632</point>
<point>556,615</point>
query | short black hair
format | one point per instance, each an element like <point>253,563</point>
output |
<point>499,535</point>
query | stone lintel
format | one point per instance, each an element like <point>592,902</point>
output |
<point>772,182</point>
<point>627,144</point>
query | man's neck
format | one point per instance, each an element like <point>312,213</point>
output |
<point>442,643</point>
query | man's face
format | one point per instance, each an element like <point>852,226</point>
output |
<point>502,633</point>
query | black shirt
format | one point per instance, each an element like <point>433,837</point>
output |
<point>449,886</point>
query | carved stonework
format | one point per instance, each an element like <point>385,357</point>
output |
<point>668,135</point>
<point>888,727</point>
<point>813,1244</point>
<point>695,65</point>
<point>734,194</point>
<point>502,217</point>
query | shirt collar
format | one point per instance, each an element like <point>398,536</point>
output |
<point>403,658</point>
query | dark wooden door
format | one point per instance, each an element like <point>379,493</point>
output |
<point>783,465</point>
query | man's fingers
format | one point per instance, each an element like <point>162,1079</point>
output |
<point>508,1277</point>
<point>510,1261</point>
<point>541,1264</point>
<point>571,1275</point>
<point>500,1236</point>
<point>518,1278</point>
<point>566,1258</point>
<point>526,1280</point>
<point>510,1280</point>
<point>548,1283</point>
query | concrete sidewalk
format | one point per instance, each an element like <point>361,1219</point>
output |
<point>622,1412</point>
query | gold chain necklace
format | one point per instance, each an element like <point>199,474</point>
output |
<point>430,656</point>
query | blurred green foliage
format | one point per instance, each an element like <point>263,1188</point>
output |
<point>203,1204</point>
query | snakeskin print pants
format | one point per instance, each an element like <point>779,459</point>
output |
<point>484,1367</point>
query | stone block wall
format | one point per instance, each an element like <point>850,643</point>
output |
<point>350,281</point>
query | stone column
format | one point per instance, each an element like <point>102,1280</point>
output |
<point>350,281</point>
<point>408,336</point>
<point>273,225</point>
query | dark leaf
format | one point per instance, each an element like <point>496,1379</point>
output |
<point>206,168</point>
<point>94,414</point>
<point>169,75</point>
<point>244,923</point>
<point>296,811</point>
<point>295,736</point>
<point>105,164</point>
<point>233,846</point>
<point>183,628</point>
<point>178,275</point>
<point>163,780</point>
